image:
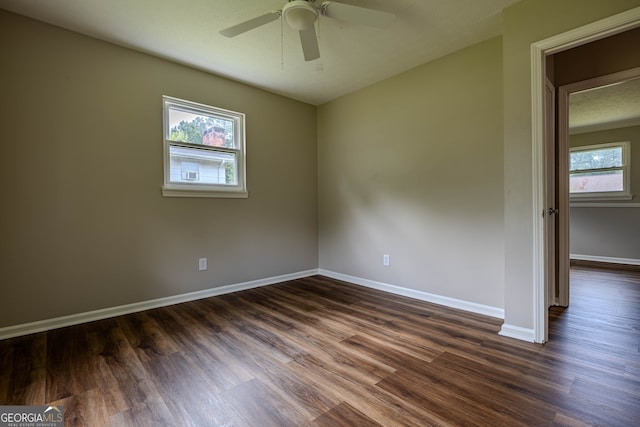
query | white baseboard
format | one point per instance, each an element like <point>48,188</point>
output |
<point>611,260</point>
<point>420,295</point>
<point>90,316</point>
<point>518,333</point>
<point>75,319</point>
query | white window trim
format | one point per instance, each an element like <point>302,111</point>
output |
<point>625,194</point>
<point>172,189</point>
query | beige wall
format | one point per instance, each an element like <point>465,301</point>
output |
<point>412,167</point>
<point>609,234</point>
<point>609,231</point>
<point>527,22</point>
<point>83,222</point>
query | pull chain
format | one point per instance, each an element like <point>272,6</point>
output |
<point>281,43</point>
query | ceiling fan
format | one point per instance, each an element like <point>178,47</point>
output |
<point>301,15</point>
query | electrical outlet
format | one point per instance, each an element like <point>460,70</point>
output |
<point>202,264</point>
<point>385,260</point>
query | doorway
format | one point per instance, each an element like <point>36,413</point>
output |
<point>598,115</point>
<point>540,51</point>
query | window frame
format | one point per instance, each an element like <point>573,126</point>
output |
<point>188,189</point>
<point>625,194</point>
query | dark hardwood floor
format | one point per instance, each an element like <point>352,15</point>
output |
<point>319,352</point>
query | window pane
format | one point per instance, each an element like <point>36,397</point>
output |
<point>596,182</point>
<point>199,128</point>
<point>196,166</point>
<point>596,159</point>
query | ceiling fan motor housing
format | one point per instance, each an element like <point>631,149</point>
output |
<point>299,14</point>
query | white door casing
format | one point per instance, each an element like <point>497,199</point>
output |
<point>597,30</point>
<point>550,210</point>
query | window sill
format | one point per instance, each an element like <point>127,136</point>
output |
<point>181,192</point>
<point>599,197</point>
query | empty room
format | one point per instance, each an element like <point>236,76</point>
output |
<point>323,213</point>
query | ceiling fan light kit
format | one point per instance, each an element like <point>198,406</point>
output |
<point>301,15</point>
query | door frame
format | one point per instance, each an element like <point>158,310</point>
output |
<point>591,32</point>
<point>552,190</point>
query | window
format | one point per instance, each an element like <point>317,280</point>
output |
<point>600,171</point>
<point>204,150</point>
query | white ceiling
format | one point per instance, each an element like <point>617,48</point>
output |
<point>605,107</point>
<point>352,56</point>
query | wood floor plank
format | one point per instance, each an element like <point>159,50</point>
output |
<point>153,413</point>
<point>125,382</point>
<point>323,352</point>
<point>186,391</point>
<point>84,409</point>
<point>326,347</point>
<point>344,415</point>
<point>258,405</point>
<point>562,420</point>
<point>378,404</point>
<point>385,353</point>
<point>145,336</point>
<point>440,398</point>
<point>70,363</point>
<point>23,379</point>
<point>306,397</point>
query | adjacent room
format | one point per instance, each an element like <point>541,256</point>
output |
<point>352,212</point>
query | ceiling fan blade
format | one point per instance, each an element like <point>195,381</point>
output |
<point>357,15</point>
<point>309,42</point>
<point>245,26</point>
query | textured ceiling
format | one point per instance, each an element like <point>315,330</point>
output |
<point>270,57</point>
<point>606,107</point>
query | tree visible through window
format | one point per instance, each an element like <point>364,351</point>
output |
<point>204,150</point>
<point>205,130</point>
